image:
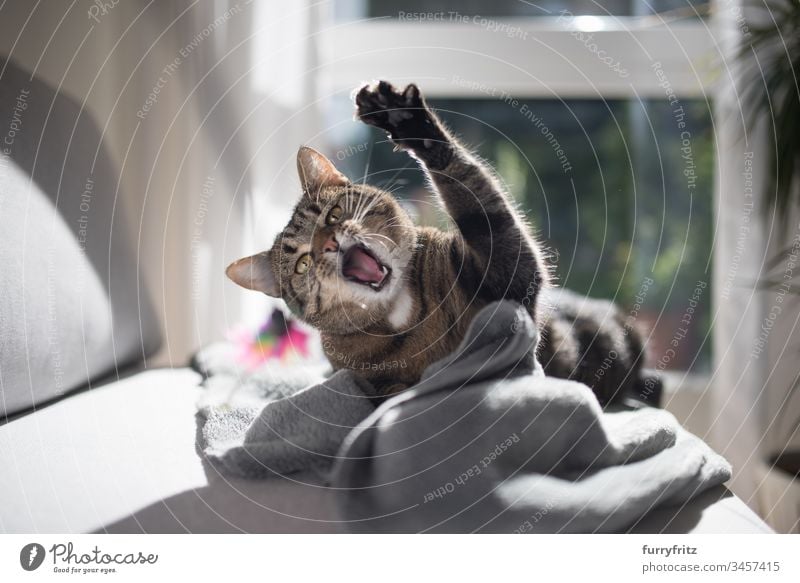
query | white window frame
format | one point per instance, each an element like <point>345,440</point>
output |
<point>552,61</point>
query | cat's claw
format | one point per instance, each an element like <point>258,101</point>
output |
<point>403,114</point>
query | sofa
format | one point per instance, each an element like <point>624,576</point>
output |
<point>91,439</point>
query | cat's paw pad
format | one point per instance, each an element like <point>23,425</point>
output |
<point>396,112</point>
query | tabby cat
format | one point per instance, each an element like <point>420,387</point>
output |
<point>389,298</point>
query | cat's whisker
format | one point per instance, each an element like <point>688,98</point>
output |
<point>368,207</point>
<point>380,236</point>
<point>364,179</point>
<point>378,241</point>
<point>385,246</point>
<point>358,204</point>
<point>368,202</point>
<point>357,211</point>
<point>397,225</point>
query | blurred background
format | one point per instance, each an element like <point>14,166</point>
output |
<point>628,132</point>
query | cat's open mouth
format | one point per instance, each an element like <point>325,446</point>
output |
<point>360,265</point>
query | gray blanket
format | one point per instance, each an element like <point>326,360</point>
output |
<point>485,442</point>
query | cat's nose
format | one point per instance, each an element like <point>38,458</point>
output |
<point>330,245</point>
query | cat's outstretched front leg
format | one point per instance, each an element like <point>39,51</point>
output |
<point>501,253</point>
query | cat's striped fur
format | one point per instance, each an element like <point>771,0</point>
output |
<point>415,289</point>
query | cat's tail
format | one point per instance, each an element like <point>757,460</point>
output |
<point>648,388</point>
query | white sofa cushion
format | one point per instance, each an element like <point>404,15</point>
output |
<point>123,458</point>
<point>74,306</point>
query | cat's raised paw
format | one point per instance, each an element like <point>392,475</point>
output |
<point>402,114</point>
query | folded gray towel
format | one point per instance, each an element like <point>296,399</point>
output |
<point>303,426</point>
<point>485,442</point>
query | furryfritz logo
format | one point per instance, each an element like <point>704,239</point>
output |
<point>31,556</point>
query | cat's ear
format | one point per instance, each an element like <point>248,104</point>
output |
<point>256,273</point>
<point>316,171</point>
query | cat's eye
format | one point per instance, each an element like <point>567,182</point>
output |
<point>303,264</point>
<point>335,215</point>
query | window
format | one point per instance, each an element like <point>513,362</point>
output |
<point>614,170</point>
<point>512,8</point>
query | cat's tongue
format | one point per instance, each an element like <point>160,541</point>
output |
<point>360,265</point>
